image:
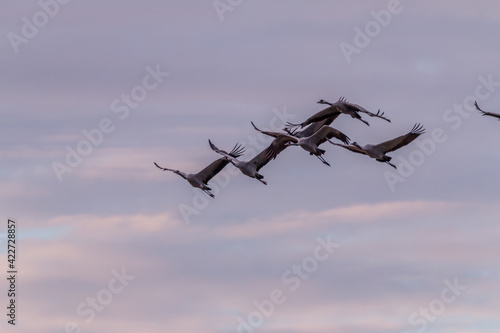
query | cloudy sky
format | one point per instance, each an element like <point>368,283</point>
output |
<point>93,92</point>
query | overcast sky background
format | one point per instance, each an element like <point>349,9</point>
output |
<point>201,264</point>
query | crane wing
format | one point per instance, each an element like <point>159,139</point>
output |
<point>491,114</point>
<point>378,114</point>
<point>312,128</point>
<point>277,146</point>
<point>402,140</point>
<point>327,132</point>
<point>330,111</point>
<point>164,169</point>
<point>359,108</point>
<point>182,174</point>
<point>221,152</point>
<point>351,148</point>
<point>216,166</point>
<point>273,134</point>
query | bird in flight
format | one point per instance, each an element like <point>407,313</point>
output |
<point>311,143</point>
<point>380,150</point>
<point>312,128</point>
<point>327,115</point>
<point>491,114</point>
<point>251,168</point>
<point>200,180</point>
<point>334,110</point>
<point>353,109</point>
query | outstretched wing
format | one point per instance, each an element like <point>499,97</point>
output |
<point>330,111</point>
<point>182,174</point>
<point>277,146</point>
<point>165,169</point>
<point>491,114</point>
<point>216,166</point>
<point>313,128</point>
<point>359,108</point>
<point>351,148</point>
<point>378,114</point>
<point>402,140</point>
<point>273,134</point>
<point>221,152</point>
<point>327,132</point>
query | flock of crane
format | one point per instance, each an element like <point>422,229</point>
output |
<point>309,135</point>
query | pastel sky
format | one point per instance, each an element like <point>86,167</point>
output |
<point>93,92</point>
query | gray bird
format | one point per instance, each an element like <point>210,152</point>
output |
<point>311,143</point>
<point>335,109</point>
<point>200,180</point>
<point>312,128</point>
<point>251,168</point>
<point>380,150</point>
